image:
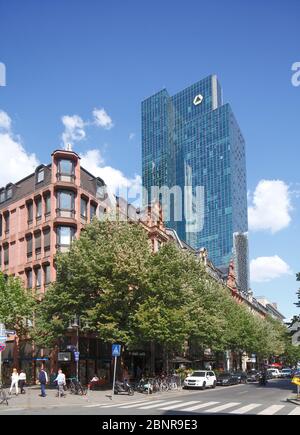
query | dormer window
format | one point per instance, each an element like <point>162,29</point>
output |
<point>2,196</point>
<point>40,175</point>
<point>9,192</point>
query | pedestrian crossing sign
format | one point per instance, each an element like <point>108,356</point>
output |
<point>116,350</point>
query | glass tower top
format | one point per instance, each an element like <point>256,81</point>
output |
<point>191,140</point>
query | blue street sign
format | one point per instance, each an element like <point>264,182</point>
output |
<point>116,350</point>
<point>76,356</point>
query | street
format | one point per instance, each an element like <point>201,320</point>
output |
<point>233,400</point>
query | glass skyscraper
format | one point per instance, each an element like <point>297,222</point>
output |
<point>193,139</point>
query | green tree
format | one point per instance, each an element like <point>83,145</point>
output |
<point>102,278</point>
<point>16,304</point>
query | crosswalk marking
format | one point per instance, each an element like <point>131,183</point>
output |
<point>179,405</point>
<point>271,410</point>
<point>202,405</point>
<point>223,407</point>
<point>95,405</point>
<point>156,405</point>
<point>295,411</point>
<point>120,404</point>
<point>245,409</point>
<point>135,404</point>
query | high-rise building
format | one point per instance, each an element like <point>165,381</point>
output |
<point>192,140</point>
<point>241,260</point>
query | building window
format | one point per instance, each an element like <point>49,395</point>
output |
<point>37,245</point>
<point>6,255</point>
<point>2,196</point>
<point>29,279</point>
<point>47,204</point>
<point>101,190</point>
<point>83,208</point>
<point>66,203</point>
<point>93,211</point>
<point>47,241</point>
<point>6,223</point>
<point>29,246</point>
<point>30,213</point>
<point>65,236</point>
<point>47,274</point>
<point>66,170</point>
<point>38,278</point>
<point>40,175</point>
<point>9,193</point>
<point>38,209</point>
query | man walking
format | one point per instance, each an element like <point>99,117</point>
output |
<point>22,381</point>
<point>61,382</point>
<point>43,379</point>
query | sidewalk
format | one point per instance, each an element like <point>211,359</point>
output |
<point>32,400</point>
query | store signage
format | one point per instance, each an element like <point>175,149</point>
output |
<point>64,356</point>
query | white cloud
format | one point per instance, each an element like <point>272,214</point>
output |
<point>271,206</point>
<point>131,136</point>
<point>102,119</point>
<point>263,269</point>
<point>74,129</point>
<point>113,178</point>
<point>15,162</point>
<point>5,121</point>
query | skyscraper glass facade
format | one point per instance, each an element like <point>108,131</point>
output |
<point>192,139</point>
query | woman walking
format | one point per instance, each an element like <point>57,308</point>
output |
<point>14,381</point>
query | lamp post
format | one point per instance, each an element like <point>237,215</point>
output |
<point>76,325</point>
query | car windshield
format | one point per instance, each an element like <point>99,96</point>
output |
<point>199,374</point>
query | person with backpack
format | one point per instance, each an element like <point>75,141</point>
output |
<point>43,379</point>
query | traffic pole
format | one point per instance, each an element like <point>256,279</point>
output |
<point>114,380</point>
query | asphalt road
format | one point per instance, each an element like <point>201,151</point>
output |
<point>239,399</point>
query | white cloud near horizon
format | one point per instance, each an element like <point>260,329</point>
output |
<point>16,163</point>
<point>93,161</point>
<point>264,269</point>
<point>271,206</point>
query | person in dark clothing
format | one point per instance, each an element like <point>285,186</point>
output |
<point>43,379</point>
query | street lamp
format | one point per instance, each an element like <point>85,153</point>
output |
<point>76,325</point>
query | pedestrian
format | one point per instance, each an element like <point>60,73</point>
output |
<point>43,379</point>
<point>14,381</point>
<point>22,381</point>
<point>61,382</point>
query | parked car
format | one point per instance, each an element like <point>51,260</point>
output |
<point>227,379</point>
<point>274,373</point>
<point>253,376</point>
<point>200,379</point>
<point>242,377</point>
<point>286,373</point>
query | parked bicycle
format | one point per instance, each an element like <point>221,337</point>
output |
<point>75,387</point>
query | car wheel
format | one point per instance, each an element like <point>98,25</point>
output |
<point>203,386</point>
<point>214,385</point>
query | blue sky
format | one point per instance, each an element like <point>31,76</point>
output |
<point>68,57</point>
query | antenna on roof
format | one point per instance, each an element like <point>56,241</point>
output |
<point>69,147</point>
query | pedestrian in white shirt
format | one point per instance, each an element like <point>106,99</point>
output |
<point>14,381</point>
<point>61,382</point>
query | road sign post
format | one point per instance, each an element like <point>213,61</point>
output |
<point>116,351</point>
<point>2,342</point>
